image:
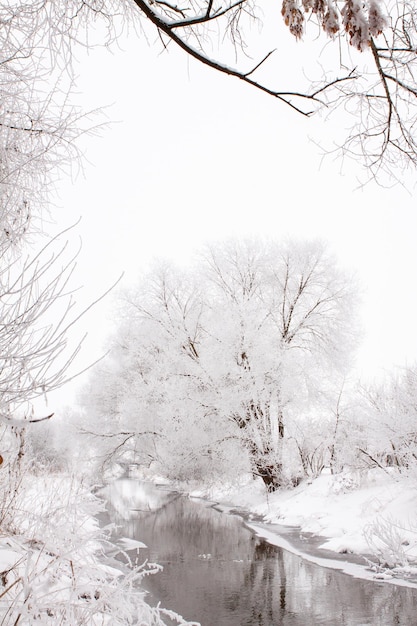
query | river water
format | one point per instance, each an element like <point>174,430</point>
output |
<point>218,573</point>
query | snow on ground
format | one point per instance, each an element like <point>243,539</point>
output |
<point>373,513</point>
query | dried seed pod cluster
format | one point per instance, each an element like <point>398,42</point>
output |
<point>361,19</point>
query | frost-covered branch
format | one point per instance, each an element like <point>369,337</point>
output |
<point>288,97</point>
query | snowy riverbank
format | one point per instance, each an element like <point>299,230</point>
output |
<point>372,514</point>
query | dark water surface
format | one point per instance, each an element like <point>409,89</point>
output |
<point>218,573</point>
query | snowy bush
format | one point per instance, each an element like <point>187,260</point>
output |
<point>307,447</point>
<point>394,544</point>
<point>54,569</point>
<point>346,481</point>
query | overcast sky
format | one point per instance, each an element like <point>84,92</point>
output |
<point>191,156</point>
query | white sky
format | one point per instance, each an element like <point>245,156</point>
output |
<point>193,156</point>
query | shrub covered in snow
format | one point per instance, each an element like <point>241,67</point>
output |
<point>55,563</point>
<point>393,542</point>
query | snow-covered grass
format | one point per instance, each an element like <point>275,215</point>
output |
<point>371,513</point>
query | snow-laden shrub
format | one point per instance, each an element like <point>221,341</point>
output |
<point>309,454</point>
<point>53,568</point>
<point>393,543</point>
<point>346,481</point>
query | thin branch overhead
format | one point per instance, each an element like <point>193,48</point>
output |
<point>169,29</point>
<point>365,75</point>
<point>381,101</point>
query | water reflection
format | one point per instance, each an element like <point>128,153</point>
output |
<point>217,572</point>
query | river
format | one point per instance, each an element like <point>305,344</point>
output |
<point>218,573</point>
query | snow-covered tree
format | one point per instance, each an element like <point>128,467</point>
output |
<point>38,129</point>
<point>224,357</point>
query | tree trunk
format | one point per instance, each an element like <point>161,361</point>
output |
<point>264,466</point>
<point>270,474</point>
<point>264,462</point>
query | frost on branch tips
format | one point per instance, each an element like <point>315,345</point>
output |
<point>361,19</point>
